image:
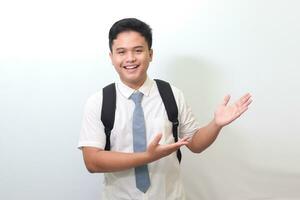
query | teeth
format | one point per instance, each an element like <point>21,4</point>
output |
<point>130,67</point>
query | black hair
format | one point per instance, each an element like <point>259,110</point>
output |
<point>130,24</point>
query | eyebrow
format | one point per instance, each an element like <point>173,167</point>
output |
<point>122,48</point>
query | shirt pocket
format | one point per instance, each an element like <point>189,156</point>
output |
<point>160,125</point>
<point>121,135</point>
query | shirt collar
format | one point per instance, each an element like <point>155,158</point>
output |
<point>127,91</point>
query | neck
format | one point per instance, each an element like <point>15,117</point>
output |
<point>135,85</point>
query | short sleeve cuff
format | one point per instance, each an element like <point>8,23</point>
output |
<point>90,144</point>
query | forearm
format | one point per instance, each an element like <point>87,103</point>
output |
<point>109,161</point>
<point>97,160</point>
<point>204,137</point>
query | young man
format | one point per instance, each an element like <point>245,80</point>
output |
<point>153,172</point>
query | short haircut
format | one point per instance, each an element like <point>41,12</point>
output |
<point>130,24</point>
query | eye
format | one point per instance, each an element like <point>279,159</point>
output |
<point>138,50</point>
<point>120,52</point>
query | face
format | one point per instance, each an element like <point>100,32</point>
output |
<point>131,57</point>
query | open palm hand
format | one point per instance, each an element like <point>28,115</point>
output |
<point>225,113</point>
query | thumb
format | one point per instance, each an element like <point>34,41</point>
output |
<point>157,139</point>
<point>226,100</point>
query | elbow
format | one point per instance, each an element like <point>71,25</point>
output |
<point>91,162</point>
<point>93,168</point>
<point>194,150</point>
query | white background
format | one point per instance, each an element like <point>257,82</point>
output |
<point>54,54</point>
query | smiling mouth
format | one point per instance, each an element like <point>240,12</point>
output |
<point>131,66</point>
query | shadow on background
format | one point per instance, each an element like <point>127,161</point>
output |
<point>199,81</point>
<point>203,88</point>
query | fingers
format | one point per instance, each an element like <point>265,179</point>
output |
<point>243,103</point>
<point>241,111</point>
<point>174,146</point>
<point>157,139</point>
<point>244,99</point>
<point>226,100</point>
<point>248,102</point>
<point>185,139</point>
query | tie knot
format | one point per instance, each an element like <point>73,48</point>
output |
<point>137,97</point>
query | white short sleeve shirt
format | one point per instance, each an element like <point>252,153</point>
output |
<point>164,173</point>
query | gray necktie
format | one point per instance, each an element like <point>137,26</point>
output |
<point>140,142</point>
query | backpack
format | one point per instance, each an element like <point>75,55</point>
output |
<point>109,108</point>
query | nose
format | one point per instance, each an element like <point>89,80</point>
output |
<point>130,57</point>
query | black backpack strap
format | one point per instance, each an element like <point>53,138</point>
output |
<point>108,111</point>
<point>168,99</point>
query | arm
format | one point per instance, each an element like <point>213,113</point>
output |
<point>204,137</point>
<point>224,115</point>
<point>98,160</point>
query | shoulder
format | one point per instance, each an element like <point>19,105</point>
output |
<point>178,95</point>
<point>94,100</point>
<point>175,90</point>
<point>96,96</point>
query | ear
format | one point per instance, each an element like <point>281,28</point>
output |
<point>151,54</point>
<point>111,56</point>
